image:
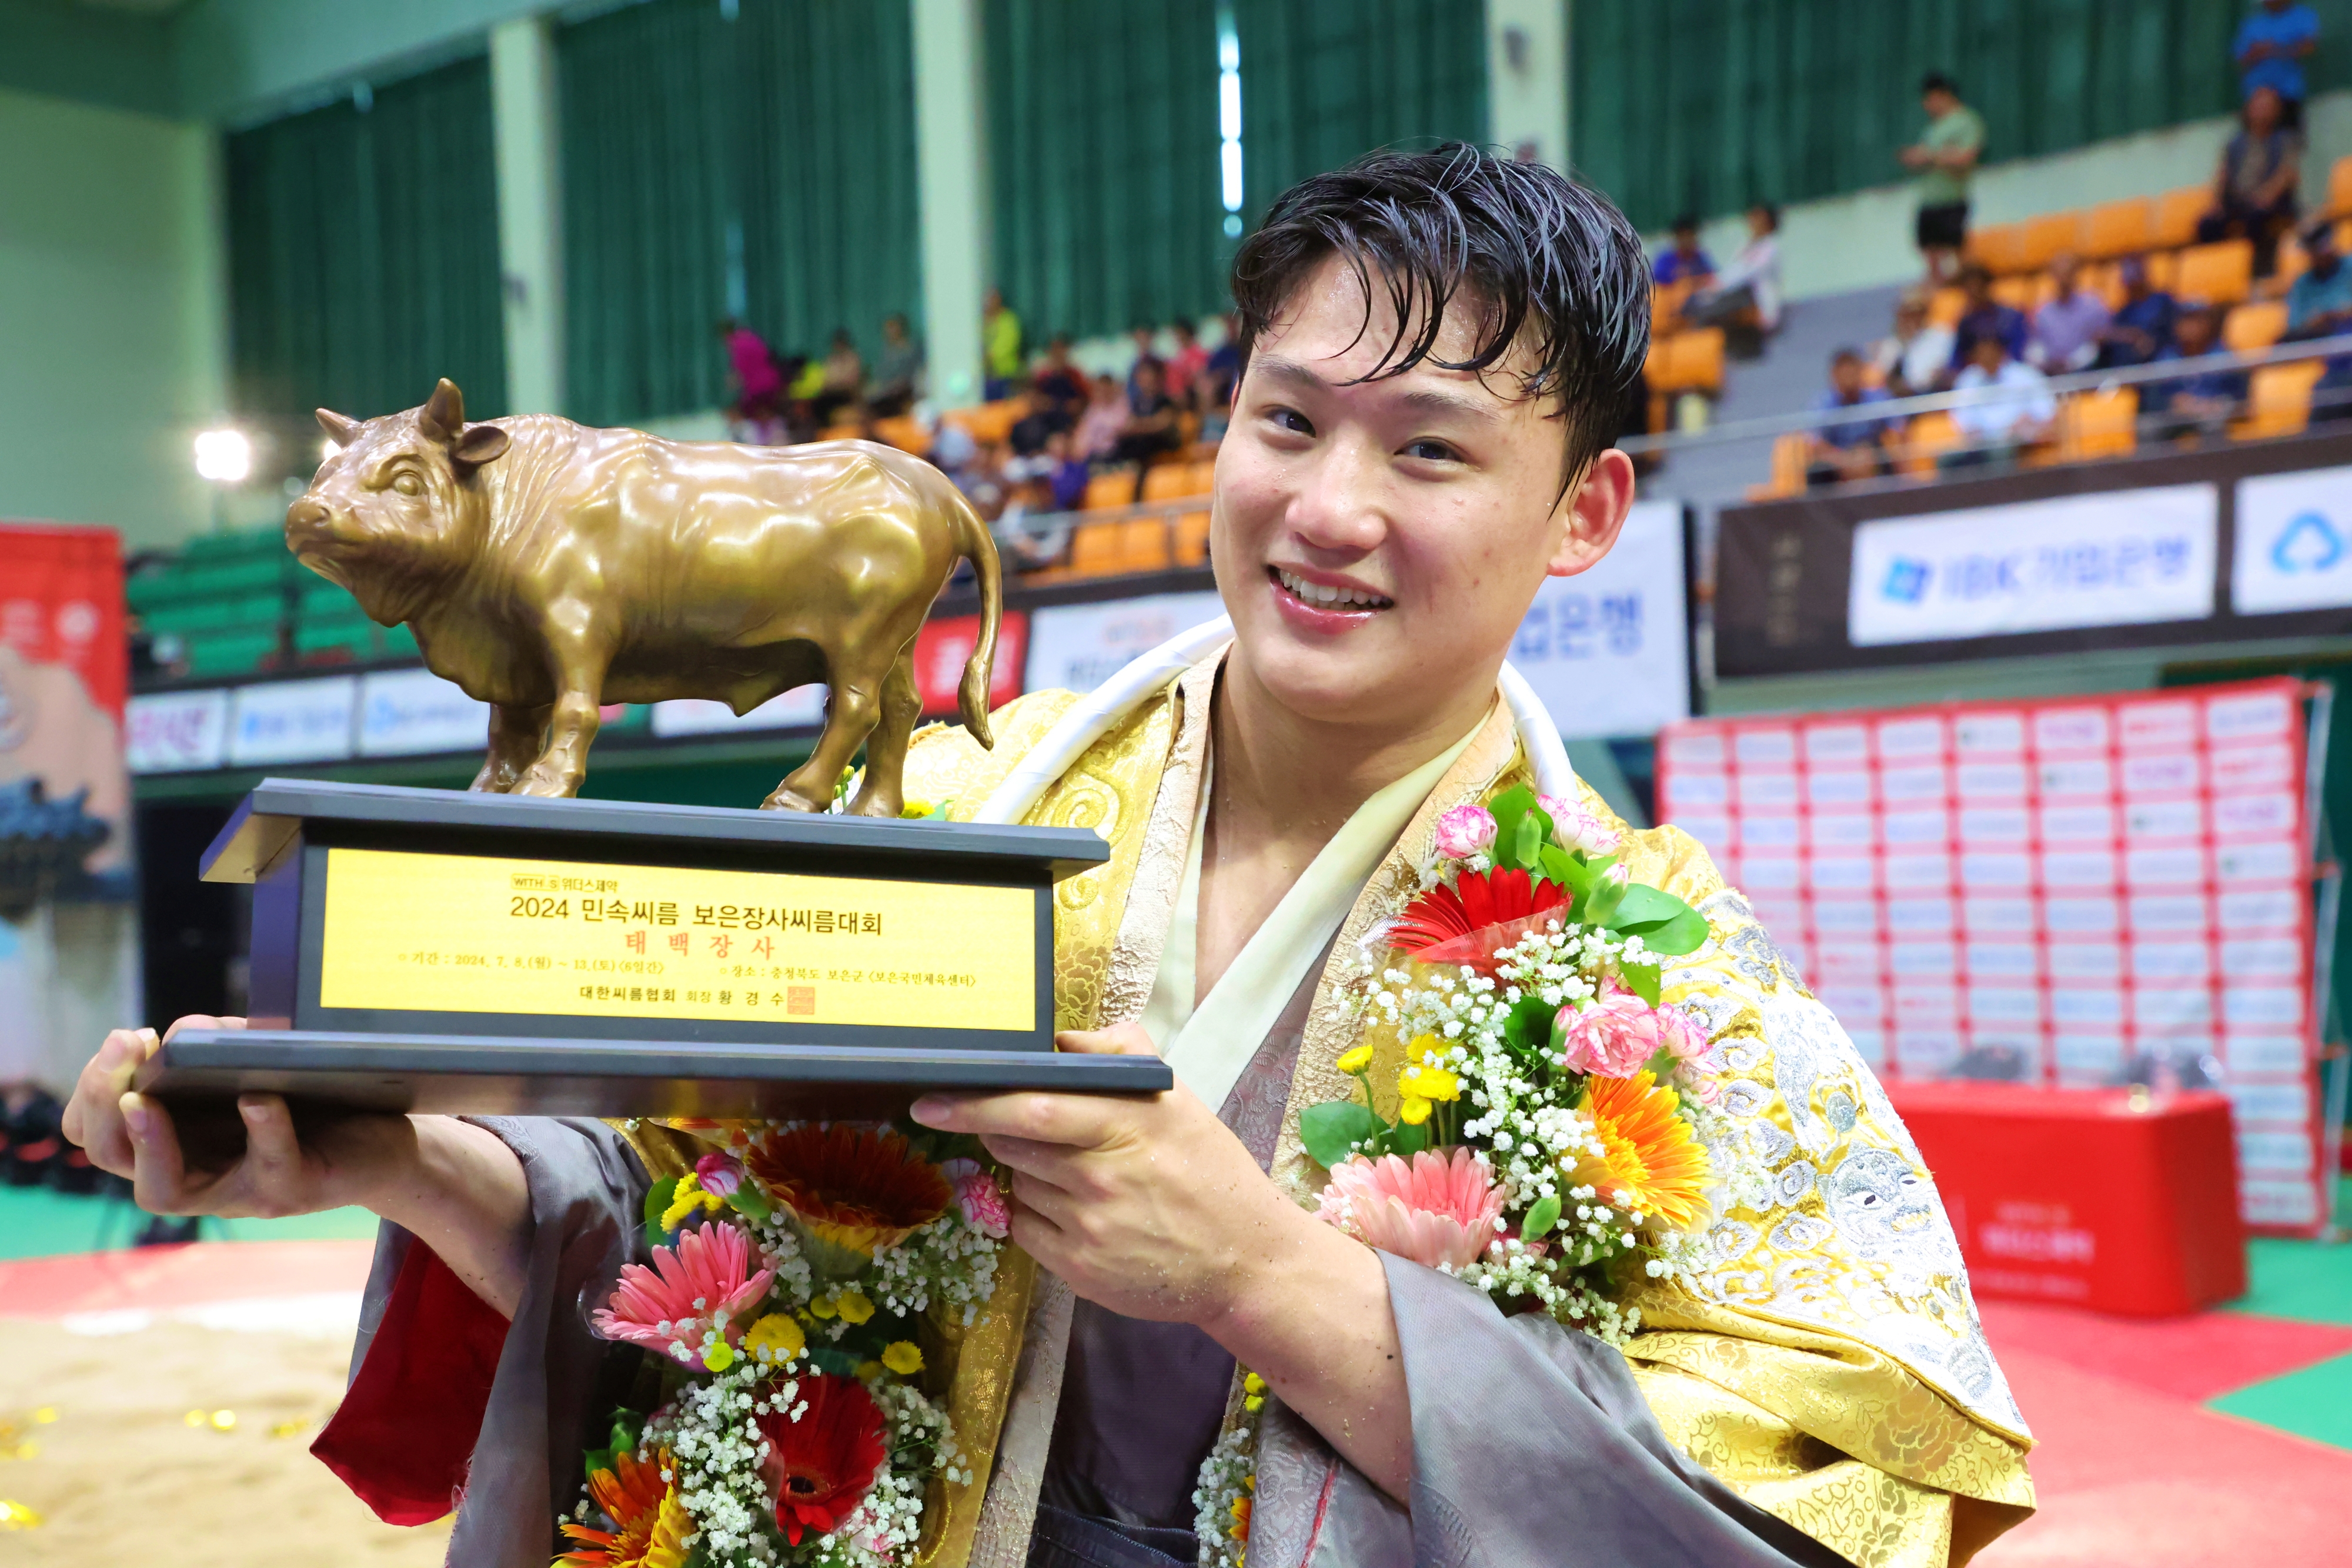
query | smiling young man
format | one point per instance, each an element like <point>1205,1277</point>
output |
<point>1437,347</point>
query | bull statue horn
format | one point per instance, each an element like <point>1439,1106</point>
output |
<point>443,418</point>
<point>340,427</point>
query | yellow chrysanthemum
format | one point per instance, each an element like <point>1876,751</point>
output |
<point>775,1337</point>
<point>1423,1082</point>
<point>1413,1112</point>
<point>901,1358</point>
<point>853,1306</point>
<point>1649,1152</point>
<point>1356,1059</point>
<point>913,809</point>
<point>1420,1046</point>
<point>688,1199</point>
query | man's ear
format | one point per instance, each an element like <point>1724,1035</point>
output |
<point>1594,511</point>
<point>480,444</point>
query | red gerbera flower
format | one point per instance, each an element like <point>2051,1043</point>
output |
<point>823,1465</point>
<point>856,1186</point>
<point>1483,912</point>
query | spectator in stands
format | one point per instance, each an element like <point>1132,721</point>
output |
<point>1851,448</point>
<point>2141,328</point>
<point>897,370</point>
<point>1984,317</point>
<point>2202,403</point>
<point>1916,357</point>
<point>1000,342</point>
<point>1224,368</point>
<point>1185,366</point>
<point>1747,293</point>
<point>2271,47</point>
<point>756,413</point>
<point>2319,305</point>
<point>1150,432</point>
<point>2254,187</point>
<point>1683,261</point>
<point>2066,328</point>
<point>1997,425</point>
<point>1068,479</point>
<point>1060,386</point>
<point>1105,417</point>
<point>1946,158</point>
<point>844,380</point>
<point>1146,336</point>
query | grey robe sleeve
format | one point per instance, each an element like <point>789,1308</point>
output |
<point>554,1385</point>
<point>1530,1444</point>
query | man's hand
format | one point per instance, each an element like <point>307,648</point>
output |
<point>1148,1207</point>
<point>1154,1209</point>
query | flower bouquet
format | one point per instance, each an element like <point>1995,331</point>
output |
<point>1550,1126</point>
<point>791,1270</point>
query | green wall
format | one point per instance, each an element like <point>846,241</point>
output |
<point>108,323</point>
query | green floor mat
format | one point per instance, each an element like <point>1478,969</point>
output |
<point>2307,1280</point>
<point>2315,1403</point>
<point>38,1223</point>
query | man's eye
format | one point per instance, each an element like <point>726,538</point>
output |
<point>1431,452</point>
<point>408,485</point>
<point>1290,419</point>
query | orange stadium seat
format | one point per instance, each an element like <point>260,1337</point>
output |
<point>2221,273</point>
<point>1946,305</point>
<point>2174,223</point>
<point>2114,229</point>
<point>2293,263</point>
<point>1666,305</point>
<point>1171,482</point>
<point>1095,549</point>
<point>2102,423</point>
<point>2016,291</point>
<point>2254,325</point>
<point>1688,361</point>
<point>991,422</point>
<point>905,432</point>
<point>1997,248</point>
<point>1790,453</point>
<point>1192,539</point>
<point>2105,280</point>
<point>1111,487</point>
<point>840,433</point>
<point>1929,436</point>
<point>2278,400</point>
<point>2163,270</point>
<point>2339,188</point>
<point>2040,239</point>
<point>1143,544</point>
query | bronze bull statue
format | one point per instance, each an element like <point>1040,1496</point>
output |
<point>548,568</point>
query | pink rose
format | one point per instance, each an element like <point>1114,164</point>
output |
<point>979,1198</point>
<point>1464,831</point>
<point>1681,1034</point>
<point>1612,1038</point>
<point>720,1174</point>
<point>1579,829</point>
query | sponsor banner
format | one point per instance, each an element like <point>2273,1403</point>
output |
<point>802,708</point>
<point>1077,647</point>
<point>2122,558</point>
<point>178,732</point>
<point>2294,542</point>
<point>292,721</point>
<point>2081,891</point>
<point>406,713</point>
<point>946,642</point>
<point>1609,649</point>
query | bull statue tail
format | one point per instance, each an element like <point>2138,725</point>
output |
<point>975,545</point>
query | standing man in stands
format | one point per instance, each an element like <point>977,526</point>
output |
<point>2271,47</point>
<point>1946,158</point>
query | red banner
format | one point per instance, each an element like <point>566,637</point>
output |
<point>65,669</point>
<point>944,646</point>
<point>2078,890</point>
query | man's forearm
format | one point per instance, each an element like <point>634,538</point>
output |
<point>1312,1318</point>
<point>462,1192</point>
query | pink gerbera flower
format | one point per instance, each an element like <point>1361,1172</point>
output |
<point>1436,1211</point>
<point>673,1304</point>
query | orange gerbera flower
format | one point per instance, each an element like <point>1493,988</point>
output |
<point>859,1188</point>
<point>1650,1152</point>
<point>651,1524</point>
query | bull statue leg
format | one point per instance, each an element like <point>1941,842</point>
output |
<point>851,714</point>
<point>516,732</point>
<point>882,791</point>
<point>573,722</point>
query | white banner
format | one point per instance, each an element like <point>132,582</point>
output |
<point>798,708</point>
<point>1077,647</point>
<point>292,721</point>
<point>177,732</point>
<point>404,713</point>
<point>2120,558</point>
<point>2294,542</point>
<point>1608,649</point>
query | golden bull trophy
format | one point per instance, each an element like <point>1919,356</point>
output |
<point>510,949</point>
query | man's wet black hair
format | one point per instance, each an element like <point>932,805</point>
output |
<point>1541,257</point>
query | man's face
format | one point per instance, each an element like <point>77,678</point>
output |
<point>2195,330</point>
<point>1378,544</point>
<point>1986,353</point>
<point>1847,376</point>
<point>1686,240</point>
<point>1937,103</point>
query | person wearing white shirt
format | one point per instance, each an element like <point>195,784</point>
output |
<point>1747,292</point>
<point>1997,425</point>
<point>1913,359</point>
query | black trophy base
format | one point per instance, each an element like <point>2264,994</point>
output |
<point>507,1076</point>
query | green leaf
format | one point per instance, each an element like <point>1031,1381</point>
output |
<point>1641,979</point>
<point>1675,932</point>
<point>627,1427</point>
<point>1562,869</point>
<point>1527,844</point>
<point>1529,1025</point>
<point>657,1201</point>
<point>1602,900</point>
<point>1331,1130</point>
<point>833,1359</point>
<point>1408,1140</point>
<point>1540,1218</point>
<point>748,1201</point>
<point>595,1461</point>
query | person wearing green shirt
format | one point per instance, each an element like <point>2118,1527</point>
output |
<point>999,338</point>
<point>1946,156</point>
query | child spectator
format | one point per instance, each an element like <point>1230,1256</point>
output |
<point>1914,359</point>
<point>2067,329</point>
<point>2255,185</point>
<point>1946,158</point>
<point>1683,261</point>
<point>1854,448</point>
<point>2141,328</point>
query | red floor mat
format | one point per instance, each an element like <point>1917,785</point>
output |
<point>160,1278</point>
<point>2193,1358</point>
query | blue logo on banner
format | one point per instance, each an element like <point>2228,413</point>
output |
<point>2308,543</point>
<point>1906,581</point>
